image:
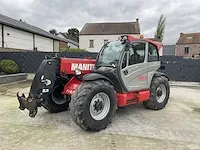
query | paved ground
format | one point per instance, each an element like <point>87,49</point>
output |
<point>175,127</point>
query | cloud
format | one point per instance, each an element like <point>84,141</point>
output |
<point>182,16</point>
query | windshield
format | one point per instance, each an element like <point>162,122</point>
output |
<point>110,54</point>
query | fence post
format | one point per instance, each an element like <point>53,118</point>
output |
<point>22,62</point>
<point>182,69</point>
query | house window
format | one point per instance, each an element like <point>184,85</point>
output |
<point>105,41</point>
<point>189,38</point>
<point>91,44</point>
<point>186,50</point>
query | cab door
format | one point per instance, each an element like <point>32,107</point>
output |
<point>134,74</point>
<point>153,62</point>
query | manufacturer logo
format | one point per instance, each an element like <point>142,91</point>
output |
<point>70,92</point>
<point>142,78</point>
<point>82,66</point>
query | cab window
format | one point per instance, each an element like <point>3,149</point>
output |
<point>152,53</point>
<point>136,53</point>
<point>124,60</point>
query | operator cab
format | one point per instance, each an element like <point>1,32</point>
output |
<point>129,63</point>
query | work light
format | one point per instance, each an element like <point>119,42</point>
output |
<point>78,71</point>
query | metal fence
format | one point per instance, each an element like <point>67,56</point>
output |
<point>181,69</point>
<point>176,67</point>
<point>29,62</point>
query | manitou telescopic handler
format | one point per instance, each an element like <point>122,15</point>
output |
<point>124,73</point>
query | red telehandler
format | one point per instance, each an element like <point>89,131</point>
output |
<point>124,73</point>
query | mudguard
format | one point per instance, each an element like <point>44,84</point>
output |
<point>71,86</point>
<point>96,76</point>
<point>158,74</point>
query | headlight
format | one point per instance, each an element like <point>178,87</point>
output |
<point>78,71</point>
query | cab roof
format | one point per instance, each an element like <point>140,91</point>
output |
<point>158,44</point>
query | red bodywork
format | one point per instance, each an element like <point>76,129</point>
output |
<point>68,66</point>
<point>156,43</point>
<point>124,99</point>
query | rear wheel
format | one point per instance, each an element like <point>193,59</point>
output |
<point>56,101</point>
<point>93,105</point>
<point>159,93</point>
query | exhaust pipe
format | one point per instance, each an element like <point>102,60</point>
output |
<point>28,103</point>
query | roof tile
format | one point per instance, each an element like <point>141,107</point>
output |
<point>189,38</point>
<point>108,28</point>
<point>29,28</point>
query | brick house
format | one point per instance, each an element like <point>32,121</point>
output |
<point>188,45</point>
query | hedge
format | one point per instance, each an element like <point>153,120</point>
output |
<point>9,66</point>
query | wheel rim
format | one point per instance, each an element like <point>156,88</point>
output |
<point>57,97</point>
<point>161,92</point>
<point>99,106</point>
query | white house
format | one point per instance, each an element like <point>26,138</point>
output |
<point>19,35</point>
<point>94,35</point>
<point>72,42</point>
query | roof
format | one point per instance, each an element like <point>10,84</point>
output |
<point>69,37</point>
<point>189,38</point>
<point>150,40</point>
<point>27,27</point>
<point>110,28</point>
<point>154,39</point>
<point>158,44</point>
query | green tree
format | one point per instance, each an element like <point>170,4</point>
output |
<point>53,31</point>
<point>73,32</point>
<point>160,28</point>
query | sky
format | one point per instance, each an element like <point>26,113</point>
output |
<point>181,15</point>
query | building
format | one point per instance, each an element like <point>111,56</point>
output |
<point>188,45</point>
<point>19,35</point>
<point>72,42</point>
<point>94,35</point>
<point>169,50</point>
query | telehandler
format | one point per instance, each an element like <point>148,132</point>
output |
<point>125,72</point>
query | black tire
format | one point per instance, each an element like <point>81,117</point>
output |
<point>152,103</point>
<point>80,105</point>
<point>53,107</point>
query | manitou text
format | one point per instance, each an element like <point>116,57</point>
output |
<point>82,66</point>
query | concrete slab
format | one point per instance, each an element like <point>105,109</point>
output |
<point>4,79</point>
<point>175,127</point>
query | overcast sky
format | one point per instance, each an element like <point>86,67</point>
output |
<point>182,15</point>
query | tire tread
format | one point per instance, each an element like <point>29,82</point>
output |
<point>152,103</point>
<point>78,99</point>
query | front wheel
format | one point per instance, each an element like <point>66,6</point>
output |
<point>93,105</point>
<point>159,93</point>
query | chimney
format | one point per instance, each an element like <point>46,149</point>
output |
<point>181,33</point>
<point>137,20</point>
